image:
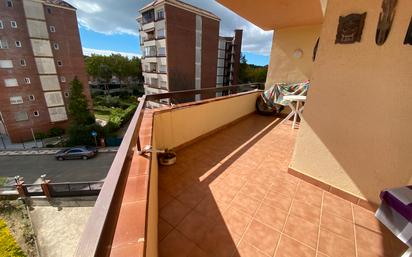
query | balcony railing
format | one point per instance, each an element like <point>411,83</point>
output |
<point>98,234</point>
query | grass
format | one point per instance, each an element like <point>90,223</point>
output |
<point>3,181</point>
<point>8,245</point>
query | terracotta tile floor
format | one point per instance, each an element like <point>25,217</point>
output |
<point>230,195</point>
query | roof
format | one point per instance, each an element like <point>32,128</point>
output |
<point>60,3</point>
<point>183,5</point>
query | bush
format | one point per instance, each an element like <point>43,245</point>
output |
<point>56,132</point>
<point>119,117</point>
<point>82,134</point>
<point>8,246</point>
<point>40,135</point>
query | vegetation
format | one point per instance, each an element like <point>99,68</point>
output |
<point>53,132</point>
<point>249,73</point>
<point>16,234</point>
<point>82,120</point>
<point>115,110</point>
<point>8,246</point>
<point>103,68</point>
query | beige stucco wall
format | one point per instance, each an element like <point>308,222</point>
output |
<point>357,130</point>
<point>176,127</point>
<point>283,66</point>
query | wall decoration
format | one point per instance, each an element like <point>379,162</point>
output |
<point>385,21</point>
<point>298,53</point>
<point>350,28</point>
<point>408,37</point>
<point>315,50</point>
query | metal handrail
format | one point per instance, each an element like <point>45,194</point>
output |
<point>94,240</point>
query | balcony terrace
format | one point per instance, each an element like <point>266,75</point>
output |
<point>229,194</point>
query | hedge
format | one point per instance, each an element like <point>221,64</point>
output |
<point>120,117</point>
<point>8,245</point>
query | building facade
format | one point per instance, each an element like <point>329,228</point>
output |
<point>182,49</point>
<point>40,53</point>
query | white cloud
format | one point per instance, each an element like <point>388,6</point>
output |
<point>119,17</point>
<point>90,51</point>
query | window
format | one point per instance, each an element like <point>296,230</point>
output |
<point>11,83</point>
<point>160,33</point>
<point>21,116</point>
<point>49,11</point>
<point>52,29</point>
<point>56,46</point>
<point>6,64</point>
<point>162,69</point>
<point>59,63</point>
<point>9,3</point>
<point>27,80</point>
<point>1,25</point>
<point>4,44</point>
<point>160,14</point>
<point>150,51</point>
<point>16,100</point>
<point>32,98</point>
<point>23,62</point>
<point>63,79</point>
<point>13,24</point>
<point>162,51</point>
<point>66,94</point>
<point>36,113</point>
<point>18,43</point>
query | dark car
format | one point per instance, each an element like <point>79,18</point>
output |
<point>79,152</point>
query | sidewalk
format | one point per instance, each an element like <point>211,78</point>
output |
<point>48,151</point>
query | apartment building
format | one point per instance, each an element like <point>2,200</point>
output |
<point>182,49</point>
<point>40,53</point>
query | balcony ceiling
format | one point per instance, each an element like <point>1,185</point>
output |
<point>278,14</point>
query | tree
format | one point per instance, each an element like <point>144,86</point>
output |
<point>249,73</point>
<point>78,106</point>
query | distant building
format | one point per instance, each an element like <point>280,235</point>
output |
<point>182,49</point>
<point>40,53</point>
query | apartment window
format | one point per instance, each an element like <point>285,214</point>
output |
<point>162,68</point>
<point>32,98</point>
<point>63,79</point>
<point>36,113</point>
<point>52,29</point>
<point>4,44</point>
<point>160,33</point>
<point>56,46</point>
<point>13,24</point>
<point>21,116</point>
<point>11,83</point>
<point>16,100</point>
<point>18,43</point>
<point>9,3</point>
<point>160,14</point>
<point>150,51</point>
<point>59,63</point>
<point>1,25</point>
<point>49,11</point>
<point>27,80</point>
<point>162,51</point>
<point>23,62</point>
<point>66,94</point>
<point>6,64</point>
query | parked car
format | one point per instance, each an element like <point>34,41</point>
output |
<point>79,152</point>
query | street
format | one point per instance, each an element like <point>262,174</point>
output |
<point>32,167</point>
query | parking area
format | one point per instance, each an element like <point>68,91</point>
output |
<point>33,166</point>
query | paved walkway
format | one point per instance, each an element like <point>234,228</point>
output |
<point>58,229</point>
<point>47,151</point>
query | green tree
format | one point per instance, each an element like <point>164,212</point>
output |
<point>78,106</point>
<point>249,73</point>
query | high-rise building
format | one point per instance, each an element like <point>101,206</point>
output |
<point>182,49</point>
<point>40,53</point>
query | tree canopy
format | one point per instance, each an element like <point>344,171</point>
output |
<point>249,73</point>
<point>103,67</point>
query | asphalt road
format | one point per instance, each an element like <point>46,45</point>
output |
<point>32,167</point>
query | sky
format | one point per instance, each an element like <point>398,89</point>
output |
<point>110,26</point>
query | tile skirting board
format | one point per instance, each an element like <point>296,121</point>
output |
<point>333,190</point>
